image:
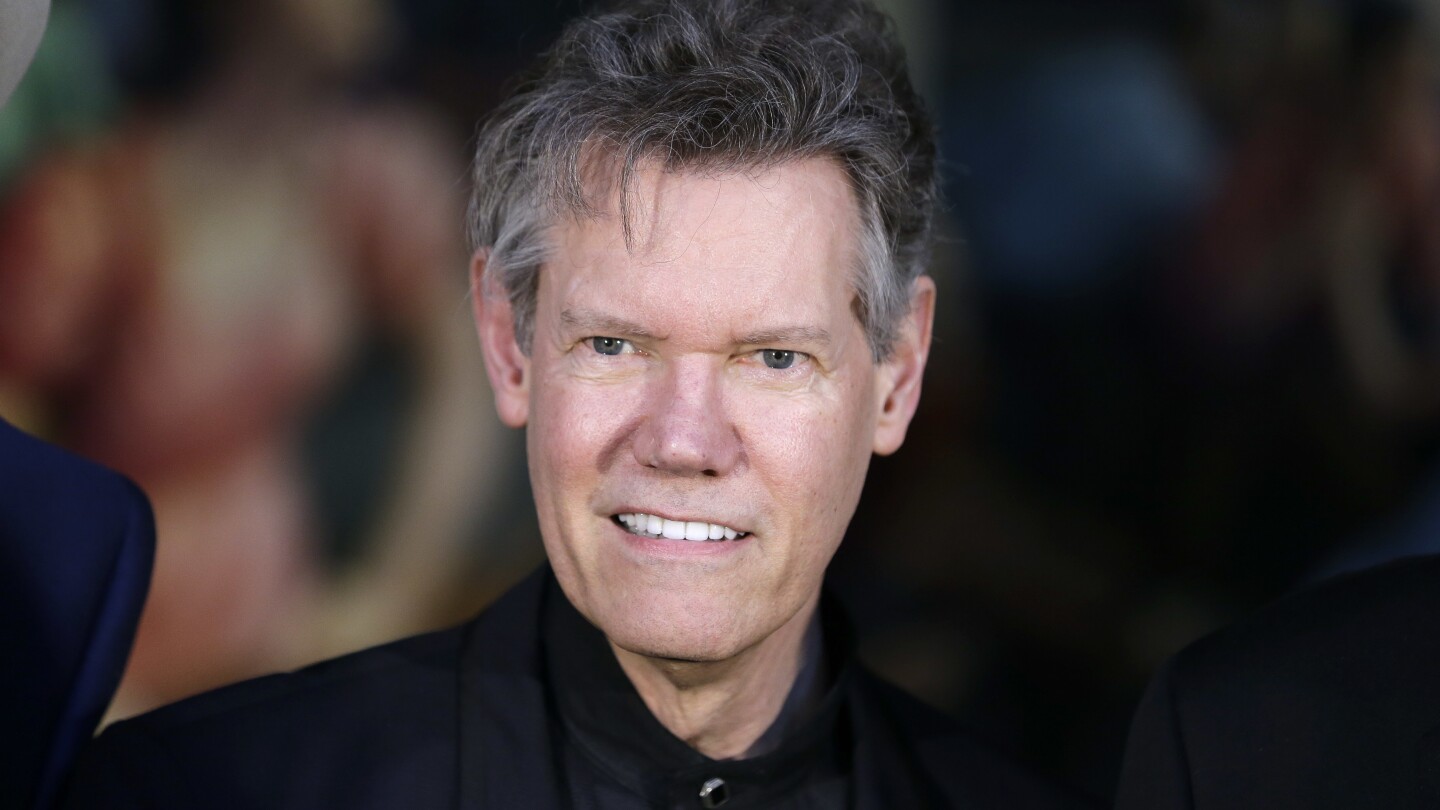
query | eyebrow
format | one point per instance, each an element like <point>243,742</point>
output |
<point>601,324</point>
<point>787,335</point>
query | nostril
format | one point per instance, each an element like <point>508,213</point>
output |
<point>710,473</point>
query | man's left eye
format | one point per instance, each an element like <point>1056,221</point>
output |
<point>779,359</point>
<point>607,345</point>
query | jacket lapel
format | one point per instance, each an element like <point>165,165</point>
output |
<point>506,753</point>
<point>885,772</point>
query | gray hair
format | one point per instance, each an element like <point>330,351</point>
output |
<point>713,85</point>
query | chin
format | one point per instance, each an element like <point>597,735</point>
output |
<point>681,627</point>
<point>672,647</point>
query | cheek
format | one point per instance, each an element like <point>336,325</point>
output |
<point>577,431</point>
<point>813,453</point>
<point>566,439</point>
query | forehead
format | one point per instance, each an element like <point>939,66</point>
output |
<point>782,240</point>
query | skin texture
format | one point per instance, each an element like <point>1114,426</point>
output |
<point>689,422</point>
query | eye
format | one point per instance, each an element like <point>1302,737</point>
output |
<point>608,345</point>
<point>778,359</point>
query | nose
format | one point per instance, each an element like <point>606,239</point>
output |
<point>687,429</point>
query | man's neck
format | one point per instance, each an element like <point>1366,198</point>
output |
<point>723,709</point>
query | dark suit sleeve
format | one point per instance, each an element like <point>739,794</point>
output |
<point>126,769</point>
<point>1156,772</point>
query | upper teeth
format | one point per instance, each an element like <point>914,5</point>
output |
<point>656,526</point>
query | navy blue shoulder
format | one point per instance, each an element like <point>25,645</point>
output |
<point>76,545</point>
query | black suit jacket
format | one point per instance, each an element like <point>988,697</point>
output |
<point>460,719</point>
<point>1329,698</point>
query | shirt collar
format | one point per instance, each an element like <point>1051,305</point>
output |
<point>606,720</point>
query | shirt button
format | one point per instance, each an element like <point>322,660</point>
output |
<point>714,793</point>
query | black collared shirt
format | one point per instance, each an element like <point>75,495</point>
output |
<point>615,755</point>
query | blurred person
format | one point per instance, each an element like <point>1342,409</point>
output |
<point>177,297</point>
<point>1331,201</point>
<point>1310,302</point>
<point>701,232</point>
<point>1293,324</point>
<point>1383,282</point>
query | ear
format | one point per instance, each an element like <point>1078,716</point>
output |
<point>507,366</point>
<point>898,383</point>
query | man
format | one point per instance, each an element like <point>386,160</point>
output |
<point>1325,699</point>
<point>700,229</point>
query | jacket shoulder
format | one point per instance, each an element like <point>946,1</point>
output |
<point>364,730</point>
<point>1260,713</point>
<point>411,667</point>
<point>1370,621</point>
<point>53,493</point>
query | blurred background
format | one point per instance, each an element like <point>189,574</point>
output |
<point>1188,355</point>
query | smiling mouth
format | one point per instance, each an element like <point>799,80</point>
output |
<point>654,526</point>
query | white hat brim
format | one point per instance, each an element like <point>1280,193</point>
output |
<point>22,23</point>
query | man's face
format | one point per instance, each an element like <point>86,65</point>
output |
<point>710,379</point>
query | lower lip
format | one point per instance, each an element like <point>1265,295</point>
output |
<point>679,549</point>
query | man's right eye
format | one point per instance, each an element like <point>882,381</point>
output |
<point>608,345</point>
